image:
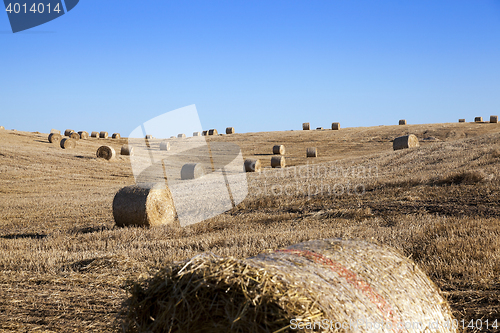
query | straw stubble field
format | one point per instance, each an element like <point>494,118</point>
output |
<point>64,266</point>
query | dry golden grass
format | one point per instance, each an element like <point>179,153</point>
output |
<point>64,266</point>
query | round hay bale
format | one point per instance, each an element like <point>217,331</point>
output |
<point>148,205</point>
<point>212,132</point>
<point>327,282</point>
<point>478,119</point>
<point>252,165</point>
<point>148,137</point>
<point>461,120</point>
<point>55,137</point>
<point>55,131</point>
<point>106,152</point>
<point>94,134</point>
<point>230,130</point>
<point>103,135</point>
<point>116,136</point>
<point>306,126</point>
<point>165,145</point>
<point>74,136</point>
<point>181,136</point>
<point>494,119</point>
<point>172,137</point>
<point>83,135</point>
<point>279,150</point>
<point>2,128</point>
<point>192,171</point>
<point>402,122</point>
<point>406,141</point>
<point>68,132</point>
<point>319,128</point>
<point>204,133</point>
<point>196,134</point>
<point>312,152</point>
<point>68,143</point>
<point>278,162</point>
<point>335,126</point>
<point>127,150</point>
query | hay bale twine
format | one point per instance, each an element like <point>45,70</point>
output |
<point>478,119</point>
<point>335,126</point>
<point>116,136</point>
<point>55,137</point>
<point>181,136</point>
<point>406,141</point>
<point>83,135</point>
<point>68,143</point>
<point>94,135</point>
<point>213,131</point>
<point>306,126</point>
<point>461,120</point>
<point>204,133</point>
<point>103,135</point>
<point>165,145</point>
<point>252,165</point>
<point>147,205</point>
<point>321,281</point>
<point>192,171</point>
<point>51,131</point>
<point>75,136</point>
<point>279,150</point>
<point>196,134</point>
<point>230,130</point>
<point>312,152</point>
<point>127,150</point>
<point>278,162</point>
<point>106,152</point>
<point>494,119</point>
<point>68,132</point>
<point>402,122</point>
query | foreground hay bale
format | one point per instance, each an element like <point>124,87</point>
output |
<point>106,152</point>
<point>402,122</point>
<point>83,135</point>
<point>406,141</point>
<point>68,143</point>
<point>461,120</point>
<point>94,135</point>
<point>103,135</point>
<point>341,281</point>
<point>230,130</point>
<point>192,171</point>
<point>306,126</point>
<point>279,150</point>
<point>51,131</point>
<point>55,137</point>
<point>75,136</point>
<point>312,152</point>
<point>252,165</point>
<point>165,145</point>
<point>278,162</point>
<point>494,119</point>
<point>478,119</point>
<point>116,136</point>
<point>213,131</point>
<point>181,136</point>
<point>147,205</point>
<point>127,150</point>
<point>68,132</point>
<point>335,126</point>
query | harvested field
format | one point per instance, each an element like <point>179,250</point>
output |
<point>64,265</point>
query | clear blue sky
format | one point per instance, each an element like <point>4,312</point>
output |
<point>255,65</point>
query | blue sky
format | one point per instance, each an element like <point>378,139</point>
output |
<point>255,65</point>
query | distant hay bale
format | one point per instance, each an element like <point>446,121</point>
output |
<point>173,137</point>
<point>51,131</point>
<point>406,141</point>
<point>278,162</point>
<point>2,128</point>
<point>402,122</point>
<point>94,134</point>
<point>116,136</point>
<point>55,137</point>
<point>192,171</point>
<point>461,120</point>
<point>204,133</point>
<point>335,126</point>
<point>148,137</point>
<point>252,165</point>
<point>312,152</point>
<point>319,128</point>
<point>165,145</point>
<point>68,143</point>
<point>212,132</point>
<point>478,119</point>
<point>68,132</point>
<point>148,205</point>
<point>75,136</point>
<point>325,282</point>
<point>127,150</point>
<point>494,119</point>
<point>181,136</point>
<point>230,130</point>
<point>103,135</point>
<point>196,134</point>
<point>279,150</point>
<point>83,135</point>
<point>306,126</point>
<point>106,152</point>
